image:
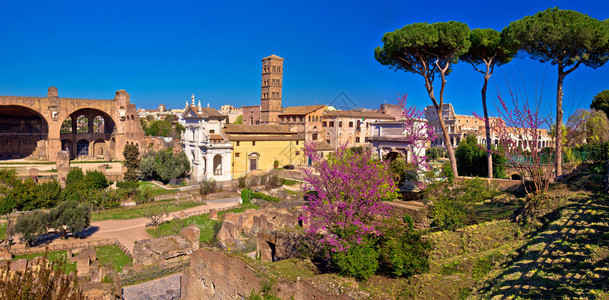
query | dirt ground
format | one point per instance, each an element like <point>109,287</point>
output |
<point>129,231</point>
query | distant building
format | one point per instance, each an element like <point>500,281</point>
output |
<point>394,110</point>
<point>388,140</point>
<point>251,115</point>
<point>207,150</point>
<point>350,127</point>
<point>272,80</point>
<point>232,112</point>
<point>257,147</point>
<point>160,113</point>
<point>305,120</point>
<point>460,126</point>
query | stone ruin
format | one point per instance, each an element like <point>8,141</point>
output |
<point>166,249</point>
<point>62,165</point>
<point>273,231</point>
<point>92,274</point>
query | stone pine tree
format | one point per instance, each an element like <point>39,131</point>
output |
<point>601,102</point>
<point>427,50</point>
<point>488,49</point>
<point>132,162</point>
<point>567,39</point>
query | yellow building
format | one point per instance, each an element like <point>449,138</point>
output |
<point>257,147</point>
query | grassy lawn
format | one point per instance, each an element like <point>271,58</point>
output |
<point>209,228</point>
<point>3,231</point>
<point>52,256</point>
<point>112,255</point>
<point>289,182</point>
<point>154,189</point>
<point>125,213</point>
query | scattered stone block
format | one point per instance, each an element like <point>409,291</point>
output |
<point>192,234</point>
<point>5,254</point>
<point>19,265</point>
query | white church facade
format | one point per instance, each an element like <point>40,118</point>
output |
<point>208,151</point>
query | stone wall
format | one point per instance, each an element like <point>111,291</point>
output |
<point>213,275</point>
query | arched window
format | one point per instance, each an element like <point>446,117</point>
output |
<point>217,164</point>
<point>99,124</point>
<point>66,126</point>
<point>82,124</point>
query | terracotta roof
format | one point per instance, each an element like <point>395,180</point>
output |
<point>301,110</point>
<point>323,146</point>
<point>358,114</point>
<point>273,56</point>
<point>216,137</point>
<point>206,112</point>
<point>256,129</point>
<point>254,137</point>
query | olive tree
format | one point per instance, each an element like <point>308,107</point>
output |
<point>427,50</point>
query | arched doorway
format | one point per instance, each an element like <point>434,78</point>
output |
<point>82,148</point>
<point>253,157</point>
<point>23,133</point>
<point>99,149</point>
<point>218,164</point>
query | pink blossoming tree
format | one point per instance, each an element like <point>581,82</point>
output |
<point>417,133</point>
<point>345,192</point>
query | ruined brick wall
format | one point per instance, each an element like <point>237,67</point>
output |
<point>213,275</point>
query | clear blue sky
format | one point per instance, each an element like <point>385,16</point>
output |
<point>163,51</point>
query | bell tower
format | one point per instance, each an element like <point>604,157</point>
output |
<point>270,98</point>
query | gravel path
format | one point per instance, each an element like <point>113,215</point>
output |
<point>163,288</point>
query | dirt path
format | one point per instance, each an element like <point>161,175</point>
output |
<point>129,231</point>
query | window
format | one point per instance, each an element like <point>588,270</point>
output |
<point>309,118</point>
<point>323,124</point>
<point>297,153</point>
<point>237,143</point>
<point>357,139</point>
<point>296,142</point>
<point>366,139</point>
<point>253,143</point>
<point>340,124</point>
<point>350,124</point>
<point>211,131</point>
<point>331,123</point>
<point>237,154</point>
<point>314,137</point>
<point>328,141</point>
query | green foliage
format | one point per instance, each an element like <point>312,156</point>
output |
<point>401,171</point>
<point>601,102</point>
<point>209,228</point>
<point>164,165</point>
<point>132,162</point>
<point>48,194</point>
<point>208,186</point>
<point>594,153</point>
<point>449,200</point>
<point>7,181</point>
<point>402,251</point>
<point>32,225</point>
<point>434,153</point>
<point>159,128</point>
<point>238,120</point>
<point>422,43</point>
<point>44,281</point>
<point>246,196</point>
<point>156,214</point>
<point>96,180</point>
<point>472,160</point>
<point>69,217</point>
<point>486,45</point>
<point>563,37</point>
<point>359,261</point>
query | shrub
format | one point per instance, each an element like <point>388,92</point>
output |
<point>96,180</point>
<point>447,213</point>
<point>360,260</point>
<point>69,217</point>
<point>32,225</point>
<point>246,196</point>
<point>48,194</point>
<point>208,186</point>
<point>472,160</point>
<point>434,153</point>
<point>242,182</point>
<point>132,162</point>
<point>402,251</point>
<point>155,214</point>
<point>164,165</point>
<point>143,196</point>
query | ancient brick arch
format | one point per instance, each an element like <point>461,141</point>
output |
<point>39,126</point>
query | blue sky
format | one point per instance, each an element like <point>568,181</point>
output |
<point>162,52</point>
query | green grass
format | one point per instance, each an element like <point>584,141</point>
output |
<point>209,228</point>
<point>289,182</point>
<point>154,189</point>
<point>112,255</point>
<point>52,257</point>
<point>125,213</point>
<point>3,231</point>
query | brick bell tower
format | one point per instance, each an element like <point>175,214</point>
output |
<point>272,80</point>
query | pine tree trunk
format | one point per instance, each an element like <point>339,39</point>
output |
<point>559,113</point>
<point>487,126</point>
